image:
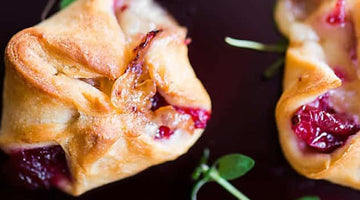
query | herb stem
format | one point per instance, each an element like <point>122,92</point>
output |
<point>273,68</point>
<point>49,5</point>
<point>255,45</point>
<point>197,187</point>
<point>226,185</point>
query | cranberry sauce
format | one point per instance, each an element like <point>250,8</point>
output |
<point>158,101</point>
<point>338,15</point>
<point>321,127</point>
<point>200,116</point>
<point>41,168</point>
<point>164,132</point>
<point>187,41</point>
<point>341,74</point>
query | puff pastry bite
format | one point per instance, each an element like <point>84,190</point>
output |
<point>99,92</point>
<point>318,113</point>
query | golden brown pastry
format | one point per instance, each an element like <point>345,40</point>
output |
<point>99,92</point>
<point>318,113</point>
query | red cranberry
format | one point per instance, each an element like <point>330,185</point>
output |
<point>187,41</point>
<point>164,132</point>
<point>123,8</point>
<point>341,74</point>
<point>37,168</point>
<point>338,15</point>
<point>321,127</point>
<point>200,116</point>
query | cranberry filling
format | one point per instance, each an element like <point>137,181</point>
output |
<point>338,15</point>
<point>158,101</point>
<point>321,127</point>
<point>187,41</point>
<point>200,116</point>
<point>38,168</point>
<point>341,74</point>
<point>164,132</point>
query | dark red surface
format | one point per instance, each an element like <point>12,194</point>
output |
<point>321,127</point>
<point>199,116</point>
<point>164,132</point>
<point>158,101</point>
<point>338,15</point>
<point>243,107</point>
<point>39,168</point>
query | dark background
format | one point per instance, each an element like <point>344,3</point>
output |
<point>243,107</point>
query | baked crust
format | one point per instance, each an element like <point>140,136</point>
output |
<point>308,76</point>
<point>68,82</point>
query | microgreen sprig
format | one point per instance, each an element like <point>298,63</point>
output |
<point>50,4</point>
<point>247,44</point>
<point>273,48</point>
<point>226,168</point>
<point>309,198</point>
<point>65,3</point>
<point>274,68</point>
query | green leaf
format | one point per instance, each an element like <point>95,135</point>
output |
<point>203,161</point>
<point>233,166</point>
<point>309,198</point>
<point>196,174</point>
<point>65,3</point>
